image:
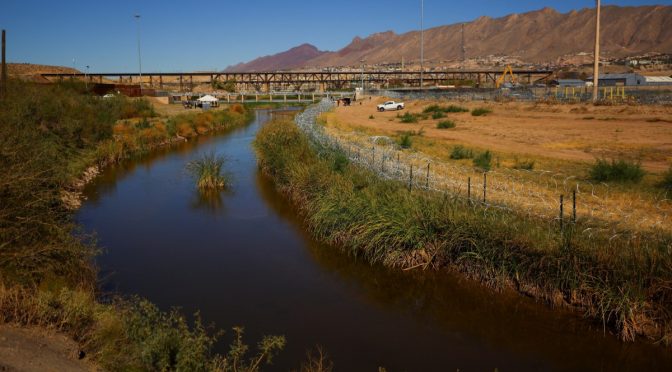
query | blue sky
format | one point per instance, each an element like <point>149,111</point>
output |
<point>210,35</point>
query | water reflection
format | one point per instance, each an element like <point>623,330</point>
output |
<point>211,201</point>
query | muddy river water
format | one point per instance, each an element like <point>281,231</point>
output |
<point>242,257</point>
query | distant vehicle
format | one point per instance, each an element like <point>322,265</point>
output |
<point>109,95</point>
<point>390,105</point>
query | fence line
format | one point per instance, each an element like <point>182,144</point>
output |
<point>512,190</point>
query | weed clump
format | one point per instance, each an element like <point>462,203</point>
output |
<point>445,124</point>
<point>460,152</point>
<point>208,172</point>
<point>666,182</point>
<point>523,164</point>
<point>405,140</point>
<point>409,118</point>
<point>616,171</point>
<point>481,111</point>
<point>484,160</point>
<point>438,115</point>
<point>444,109</point>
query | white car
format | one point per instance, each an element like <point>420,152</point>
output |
<point>390,105</point>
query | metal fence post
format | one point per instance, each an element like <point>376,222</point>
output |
<point>469,188</point>
<point>485,187</point>
<point>398,164</point>
<point>562,204</point>
<point>427,184</point>
<point>574,206</point>
<point>410,179</point>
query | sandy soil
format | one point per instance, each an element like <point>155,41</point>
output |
<point>577,132</point>
<point>32,349</point>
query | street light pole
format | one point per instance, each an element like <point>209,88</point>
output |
<point>86,78</point>
<point>422,42</point>
<point>137,17</point>
<point>596,67</point>
<point>362,62</point>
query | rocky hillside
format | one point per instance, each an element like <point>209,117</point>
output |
<point>539,36</point>
<point>293,58</point>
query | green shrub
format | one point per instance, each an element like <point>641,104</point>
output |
<point>666,182</point>
<point>445,124</point>
<point>617,170</point>
<point>340,162</point>
<point>405,140</point>
<point>444,109</point>
<point>483,160</point>
<point>409,118</point>
<point>455,109</point>
<point>461,152</point>
<point>432,109</point>
<point>438,115</point>
<point>481,111</point>
<point>371,117</point>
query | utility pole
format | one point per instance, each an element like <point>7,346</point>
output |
<point>3,74</point>
<point>463,49</point>
<point>422,42</point>
<point>596,67</point>
<point>137,17</point>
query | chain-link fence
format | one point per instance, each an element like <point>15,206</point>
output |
<point>635,95</point>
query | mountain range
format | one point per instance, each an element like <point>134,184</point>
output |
<point>541,36</point>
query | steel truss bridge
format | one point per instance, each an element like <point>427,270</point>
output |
<point>317,80</point>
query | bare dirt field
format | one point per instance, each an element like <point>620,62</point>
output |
<point>574,132</point>
<point>559,142</point>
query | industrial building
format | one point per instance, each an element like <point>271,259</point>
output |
<point>632,80</point>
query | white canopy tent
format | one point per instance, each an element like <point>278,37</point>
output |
<point>208,100</point>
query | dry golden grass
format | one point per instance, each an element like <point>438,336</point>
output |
<point>556,138</point>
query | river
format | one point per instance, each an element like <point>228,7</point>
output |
<point>242,257</point>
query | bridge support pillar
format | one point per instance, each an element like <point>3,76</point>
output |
<point>181,85</point>
<point>160,82</point>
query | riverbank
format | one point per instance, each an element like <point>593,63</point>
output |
<point>627,288</point>
<point>141,135</point>
<point>49,136</point>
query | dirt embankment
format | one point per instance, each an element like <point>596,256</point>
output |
<point>34,349</point>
